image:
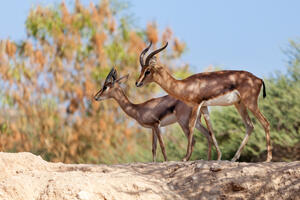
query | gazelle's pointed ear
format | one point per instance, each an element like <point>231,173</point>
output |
<point>123,79</point>
<point>112,76</point>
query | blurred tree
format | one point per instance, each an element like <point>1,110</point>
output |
<point>48,81</point>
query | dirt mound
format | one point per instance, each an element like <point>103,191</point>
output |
<point>26,176</point>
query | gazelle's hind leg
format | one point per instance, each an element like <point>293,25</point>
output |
<point>205,112</point>
<point>185,127</point>
<point>183,121</point>
<point>264,122</point>
<point>184,124</point>
<point>161,142</point>
<point>154,145</point>
<point>249,128</point>
<point>206,133</point>
<point>192,123</point>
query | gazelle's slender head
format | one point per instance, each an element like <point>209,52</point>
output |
<point>149,67</point>
<point>110,85</point>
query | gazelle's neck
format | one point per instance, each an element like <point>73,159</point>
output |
<point>171,85</point>
<point>129,108</point>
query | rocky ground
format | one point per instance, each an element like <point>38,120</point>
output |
<point>26,176</point>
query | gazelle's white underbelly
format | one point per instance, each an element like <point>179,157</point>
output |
<point>224,100</point>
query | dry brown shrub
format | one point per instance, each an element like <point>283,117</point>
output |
<point>136,43</point>
<point>66,18</point>
<point>152,32</point>
<point>99,39</point>
<point>178,46</point>
<point>167,35</point>
<point>28,49</point>
<point>10,48</point>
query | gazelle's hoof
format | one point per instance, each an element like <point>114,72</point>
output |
<point>269,159</point>
<point>219,157</point>
<point>184,159</point>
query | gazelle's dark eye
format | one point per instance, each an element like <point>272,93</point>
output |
<point>104,88</point>
<point>147,72</point>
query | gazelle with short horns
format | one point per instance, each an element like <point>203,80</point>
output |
<point>219,88</point>
<point>154,113</point>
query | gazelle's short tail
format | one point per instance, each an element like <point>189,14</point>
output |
<point>264,89</point>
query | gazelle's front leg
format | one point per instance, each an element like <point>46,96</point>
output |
<point>154,145</point>
<point>192,123</point>
<point>161,142</point>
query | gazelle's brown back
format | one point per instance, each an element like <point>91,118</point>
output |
<point>210,85</point>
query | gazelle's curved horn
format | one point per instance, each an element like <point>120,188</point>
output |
<point>143,54</point>
<point>153,53</point>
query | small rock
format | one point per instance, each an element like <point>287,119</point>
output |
<point>236,187</point>
<point>171,187</point>
<point>215,168</point>
<point>83,195</point>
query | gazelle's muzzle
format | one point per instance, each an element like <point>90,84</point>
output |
<point>140,80</point>
<point>138,84</point>
<point>97,96</point>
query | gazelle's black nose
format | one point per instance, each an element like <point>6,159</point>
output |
<point>138,84</point>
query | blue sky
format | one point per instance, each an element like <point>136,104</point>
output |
<point>232,34</point>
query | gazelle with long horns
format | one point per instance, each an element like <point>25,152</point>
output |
<point>220,88</point>
<point>154,113</point>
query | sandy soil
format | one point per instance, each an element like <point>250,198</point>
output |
<point>28,177</point>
